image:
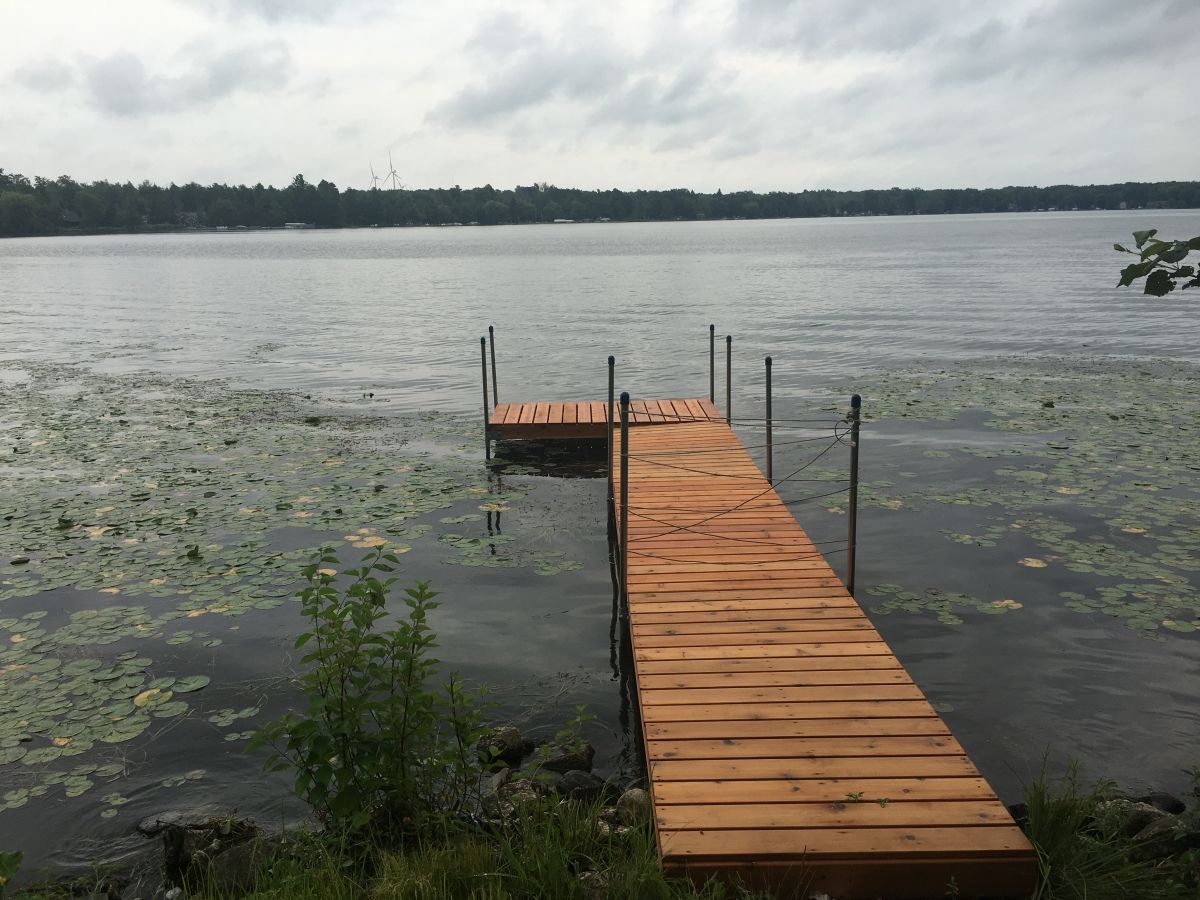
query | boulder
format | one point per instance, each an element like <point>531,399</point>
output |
<point>1158,840</point>
<point>1164,801</point>
<point>152,825</point>
<point>568,758</point>
<point>579,785</point>
<point>234,870</point>
<point>634,807</point>
<point>502,745</point>
<point>512,797</point>
<point>1128,816</point>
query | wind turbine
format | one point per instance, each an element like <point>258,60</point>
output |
<point>374,178</point>
<point>396,185</point>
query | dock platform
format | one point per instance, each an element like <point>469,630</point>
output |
<point>785,742</point>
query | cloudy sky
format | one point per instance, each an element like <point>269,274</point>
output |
<point>732,94</point>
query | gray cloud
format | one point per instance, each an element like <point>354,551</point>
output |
<point>121,85</point>
<point>836,26</point>
<point>535,73</point>
<point>44,75</point>
<point>280,11</point>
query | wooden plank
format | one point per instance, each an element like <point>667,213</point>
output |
<point>556,414</point>
<point>728,655</point>
<point>847,843</point>
<point>816,790</point>
<point>810,748</point>
<point>842,618</point>
<point>718,729</point>
<point>840,709</point>
<point>696,680</point>
<point>837,631</point>
<point>526,415</point>
<point>838,814</point>
<point>834,657</point>
<point>777,694</point>
<point>815,609</point>
<point>789,769</point>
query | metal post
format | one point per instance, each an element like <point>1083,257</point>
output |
<point>487,447</point>
<point>712,363</point>
<point>492,344</point>
<point>625,501</point>
<point>611,408</point>
<point>852,510</point>
<point>728,379</point>
<point>770,451</point>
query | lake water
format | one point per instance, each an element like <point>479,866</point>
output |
<point>1027,542</point>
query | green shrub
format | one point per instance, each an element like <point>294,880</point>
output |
<point>376,745</point>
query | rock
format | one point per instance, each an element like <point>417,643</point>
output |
<point>235,870</point>
<point>502,746</point>
<point>579,785</point>
<point>634,807</point>
<point>152,825</point>
<point>594,884</point>
<point>491,784</point>
<point>180,847</point>
<point>1129,816</point>
<point>1164,801</point>
<point>512,797</point>
<point>565,759</point>
<point>1158,840</point>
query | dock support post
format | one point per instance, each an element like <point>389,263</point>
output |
<point>729,379</point>
<point>712,363</point>
<point>852,506</point>
<point>492,345</point>
<point>625,503</point>
<point>770,447</point>
<point>487,446</point>
<point>611,414</point>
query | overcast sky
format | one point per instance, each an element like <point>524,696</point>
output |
<point>731,94</point>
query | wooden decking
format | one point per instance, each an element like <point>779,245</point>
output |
<point>587,419</point>
<point>785,742</point>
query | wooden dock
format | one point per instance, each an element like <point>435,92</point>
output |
<point>786,744</point>
<point>549,421</point>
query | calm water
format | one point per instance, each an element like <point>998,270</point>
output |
<point>837,303</point>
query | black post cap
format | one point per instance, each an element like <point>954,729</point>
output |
<point>624,398</point>
<point>612,360</point>
<point>856,401</point>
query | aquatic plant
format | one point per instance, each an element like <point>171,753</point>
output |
<point>374,744</point>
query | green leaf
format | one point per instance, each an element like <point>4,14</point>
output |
<point>1142,236</point>
<point>1175,253</point>
<point>9,863</point>
<point>1133,271</point>
<point>1159,284</point>
<point>191,683</point>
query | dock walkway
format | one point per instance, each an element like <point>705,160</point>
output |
<point>785,742</point>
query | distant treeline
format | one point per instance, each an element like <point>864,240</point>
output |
<point>63,205</point>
